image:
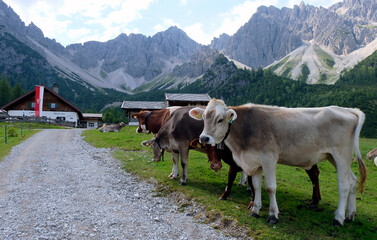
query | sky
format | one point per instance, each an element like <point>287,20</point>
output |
<point>79,21</point>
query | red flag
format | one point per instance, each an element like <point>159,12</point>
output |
<point>39,90</point>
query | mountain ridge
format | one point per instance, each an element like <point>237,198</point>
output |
<point>272,34</point>
<point>165,60</point>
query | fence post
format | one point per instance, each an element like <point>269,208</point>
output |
<point>6,134</point>
<point>29,127</point>
<point>21,130</point>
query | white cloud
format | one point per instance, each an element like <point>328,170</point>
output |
<point>239,15</point>
<point>43,15</point>
<point>56,17</point>
<point>196,32</point>
<point>115,20</point>
<point>79,33</point>
<point>183,2</point>
<point>166,23</point>
<point>158,28</point>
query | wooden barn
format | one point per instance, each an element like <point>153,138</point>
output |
<point>131,107</point>
<point>91,120</point>
<point>54,107</point>
<point>171,99</point>
<point>186,99</point>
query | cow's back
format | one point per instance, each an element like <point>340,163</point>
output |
<point>292,132</point>
<point>183,126</point>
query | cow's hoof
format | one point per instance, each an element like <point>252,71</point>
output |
<point>182,183</point>
<point>272,220</point>
<point>350,218</point>
<point>336,223</point>
<point>256,215</point>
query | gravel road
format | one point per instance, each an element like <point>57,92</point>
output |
<point>56,186</point>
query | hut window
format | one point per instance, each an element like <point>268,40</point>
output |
<point>31,105</point>
<point>53,106</point>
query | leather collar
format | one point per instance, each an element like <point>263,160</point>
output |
<point>146,120</point>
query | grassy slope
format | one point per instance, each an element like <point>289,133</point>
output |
<point>293,193</point>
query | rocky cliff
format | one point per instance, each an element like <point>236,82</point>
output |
<point>273,33</point>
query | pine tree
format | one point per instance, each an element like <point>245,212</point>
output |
<point>5,91</point>
<point>17,91</point>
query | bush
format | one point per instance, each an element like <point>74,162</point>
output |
<point>12,132</point>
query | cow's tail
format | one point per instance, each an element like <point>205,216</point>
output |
<point>362,167</point>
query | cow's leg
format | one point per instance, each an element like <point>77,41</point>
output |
<point>343,170</point>
<point>313,175</point>
<point>243,179</point>
<point>251,189</point>
<point>232,173</point>
<point>351,206</point>
<point>257,184</point>
<point>184,162</point>
<point>269,169</point>
<point>175,171</point>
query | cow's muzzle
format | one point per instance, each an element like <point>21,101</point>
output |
<point>216,166</point>
<point>206,139</point>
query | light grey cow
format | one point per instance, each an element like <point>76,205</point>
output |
<point>261,136</point>
<point>112,127</point>
<point>373,154</point>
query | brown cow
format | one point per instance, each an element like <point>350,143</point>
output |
<point>175,136</point>
<point>112,127</point>
<point>152,121</point>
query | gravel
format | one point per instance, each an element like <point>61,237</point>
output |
<point>56,186</point>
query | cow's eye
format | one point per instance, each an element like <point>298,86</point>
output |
<point>220,120</point>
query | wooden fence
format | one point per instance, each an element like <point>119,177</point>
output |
<point>46,120</point>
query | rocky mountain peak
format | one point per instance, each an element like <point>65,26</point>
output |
<point>33,31</point>
<point>365,10</point>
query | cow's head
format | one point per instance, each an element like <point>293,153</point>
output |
<point>213,154</point>
<point>157,151</point>
<point>216,119</point>
<point>141,117</point>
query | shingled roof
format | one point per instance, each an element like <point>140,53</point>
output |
<point>143,105</point>
<point>189,97</point>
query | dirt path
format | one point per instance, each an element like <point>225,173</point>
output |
<point>56,186</point>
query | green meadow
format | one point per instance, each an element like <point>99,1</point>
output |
<point>294,191</point>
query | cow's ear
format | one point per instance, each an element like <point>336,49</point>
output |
<point>194,143</point>
<point>232,115</point>
<point>196,113</point>
<point>134,115</point>
<point>147,143</point>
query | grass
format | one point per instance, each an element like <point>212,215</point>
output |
<point>279,64</point>
<point>326,58</point>
<point>293,194</point>
<point>5,148</point>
